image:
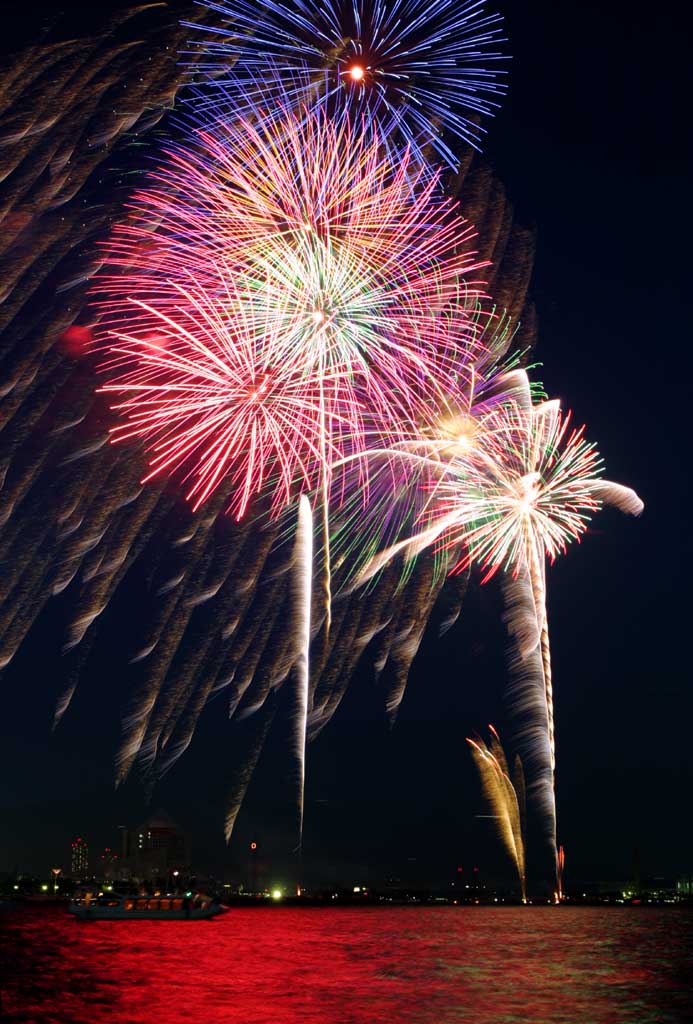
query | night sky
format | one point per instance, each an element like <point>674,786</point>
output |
<point>590,145</point>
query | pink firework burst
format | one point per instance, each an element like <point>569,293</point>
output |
<point>277,285</point>
<point>214,399</point>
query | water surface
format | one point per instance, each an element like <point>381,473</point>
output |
<point>395,965</point>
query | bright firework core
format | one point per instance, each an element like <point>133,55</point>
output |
<point>357,72</point>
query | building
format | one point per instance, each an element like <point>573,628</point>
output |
<point>109,864</point>
<point>156,849</point>
<point>79,858</point>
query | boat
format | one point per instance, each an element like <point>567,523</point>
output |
<point>116,907</point>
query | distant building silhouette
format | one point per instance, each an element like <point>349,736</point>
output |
<point>155,849</point>
<point>79,858</point>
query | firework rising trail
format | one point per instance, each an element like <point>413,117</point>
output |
<point>415,68</point>
<point>505,797</point>
<point>527,699</point>
<point>514,486</point>
<point>529,505</point>
<point>560,868</point>
<point>303,581</point>
<point>533,504</point>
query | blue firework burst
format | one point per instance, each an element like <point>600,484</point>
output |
<point>422,69</point>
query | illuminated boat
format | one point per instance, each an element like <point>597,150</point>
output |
<point>113,907</point>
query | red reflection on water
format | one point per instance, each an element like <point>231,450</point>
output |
<point>353,966</point>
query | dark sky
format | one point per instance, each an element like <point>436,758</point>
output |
<point>591,147</point>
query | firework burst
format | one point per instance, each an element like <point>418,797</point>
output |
<point>505,489</point>
<point>277,284</point>
<point>213,398</point>
<point>464,431</point>
<point>418,68</point>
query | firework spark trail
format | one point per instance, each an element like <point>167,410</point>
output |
<point>303,586</point>
<point>176,592</point>
<point>251,756</point>
<point>34,564</point>
<point>208,615</point>
<point>502,796</point>
<point>231,645</point>
<point>537,505</point>
<point>323,650</point>
<point>453,596</point>
<point>213,677</point>
<point>78,662</point>
<point>133,531</point>
<point>517,487</point>
<point>52,92</point>
<point>248,763</point>
<point>536,569</point>
<point>198,681</point>
<point>137,740</point>
<point>20,418</point>
<point>18,482</point>
<point>32,336</point>
<point>324,644</point>
<point>560,868</point>
<point>27,596</point>
<point>410,68</point>
<point>527,699</point>
<point>412,620</point>
<point>250,687</point>
<point>278,656</point>
<point>342,657</point>
<point>199,657</point>
<point>83,534</point>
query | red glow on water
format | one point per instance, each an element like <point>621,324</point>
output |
<point>289,965</point>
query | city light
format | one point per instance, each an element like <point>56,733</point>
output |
<point>277,894</point>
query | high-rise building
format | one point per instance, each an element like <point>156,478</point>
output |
<point>156,849</point>
<point>79,859</point>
